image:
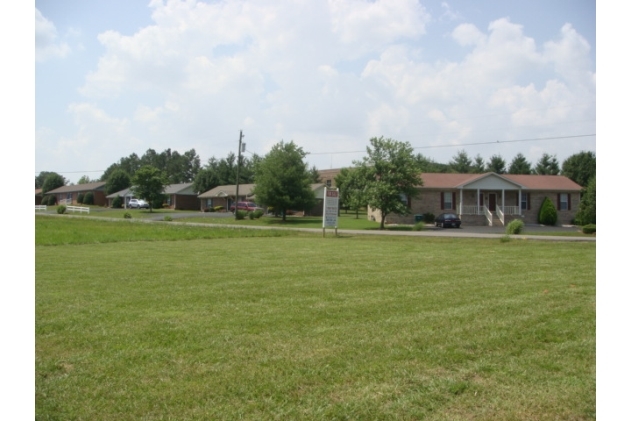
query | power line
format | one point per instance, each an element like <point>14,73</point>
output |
<point>468,144</point>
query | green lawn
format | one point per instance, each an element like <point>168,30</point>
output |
<point>196,323</point>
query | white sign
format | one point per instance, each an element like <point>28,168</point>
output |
<point>331,205</point>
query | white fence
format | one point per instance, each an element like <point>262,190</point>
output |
<point>77,209</point>
<point>40,208</point>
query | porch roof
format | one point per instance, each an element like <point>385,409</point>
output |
<point>229,190</point>
<point>99,185</point>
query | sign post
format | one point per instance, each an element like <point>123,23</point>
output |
<point>330,211</point>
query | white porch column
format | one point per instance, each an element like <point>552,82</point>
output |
<point>460,203</point>
<point>503,209</point>
<point>519,203</point>
<point>477,200</point>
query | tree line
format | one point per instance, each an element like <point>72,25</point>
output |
<point>389,172</point>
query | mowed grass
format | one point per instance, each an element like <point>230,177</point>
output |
<point>302,327</point>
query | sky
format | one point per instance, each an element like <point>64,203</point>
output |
<point>118,77</point>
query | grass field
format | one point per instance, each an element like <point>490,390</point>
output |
<point>139,321</point>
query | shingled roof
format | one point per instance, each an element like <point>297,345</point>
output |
<point>528,182</point>
<point>78,188</point>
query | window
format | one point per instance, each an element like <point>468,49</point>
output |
<point>447,200</point>
<point>328,183</point>
<point>525,200</point>
<point>405,199</point>
<point>564,201</point>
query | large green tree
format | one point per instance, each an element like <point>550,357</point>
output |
<point>519,165</point>
<point>391,175</point>
<point>580,167</point>
<point>547,165</point>
<point>117,181</point>
<point>52,182</point>
<point>352,185</point>
<point>283,180</point>
<point>149,185</point>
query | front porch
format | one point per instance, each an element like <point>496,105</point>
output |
<point>482,215</point>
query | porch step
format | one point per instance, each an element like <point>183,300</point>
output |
<point>497,222</point>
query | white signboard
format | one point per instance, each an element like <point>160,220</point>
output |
<point>331,205</point>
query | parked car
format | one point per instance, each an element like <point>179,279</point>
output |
<point>246,206</point>
<point>447,220</point>
<point>138,204</point>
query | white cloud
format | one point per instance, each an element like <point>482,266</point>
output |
<point>467,34</point>
<point>47,44</point>
<point>326,75</point>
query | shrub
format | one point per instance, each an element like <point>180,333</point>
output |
<point>117,202</point>
<point>547,213</point>
<point>589,229</point>
<point>241,214</point>
<point>49,200</point>
<point>127,215</point>
<point>209,209</point>
<point>218,208</point>
<point>168,218</point>
<point>258,213</point>
<point>516,226</point>
<point>88,198</point>
<point>251,215</point>
<point>61,209</point>
<point>80,198</point>
<point>419,226</point>
<point>505,238</point>
<point>428,218</point>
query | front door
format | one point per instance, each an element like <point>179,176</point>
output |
<point>492,202</point>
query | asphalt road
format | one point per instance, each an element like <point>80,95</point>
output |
<point>534,232</point>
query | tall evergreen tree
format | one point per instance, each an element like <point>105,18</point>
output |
<point>547,165</point>
<point>580,167</point>
<point>497,165</point>
<point>519,165</point>
<point>460,163</point>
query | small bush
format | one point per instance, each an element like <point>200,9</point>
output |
<point>516,226</point>
<point>218,208</point>
<point>80,198</point>
<point>117,202</point>
<point>49,200</point>
<point>428,218</point>
<point>258,213</point>
<point>209,209</point>
<point>61,209</point>
<point>505,239</point>
<point>251,215</point>
<point>168,218</point>
<point>88,198</point>
<point>547,212</point>
<point>241,214</point>
<point>419,226</point>
<point>589,229</point>
<point>127,215</point>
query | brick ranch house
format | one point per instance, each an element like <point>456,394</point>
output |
<point>177,196</point>
<point>225,196</point>
<point>490,198</point>
<point>68,195</point>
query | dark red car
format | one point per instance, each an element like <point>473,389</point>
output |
<point>246,206</point>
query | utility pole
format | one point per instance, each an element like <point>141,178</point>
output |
<point>236,198</point>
